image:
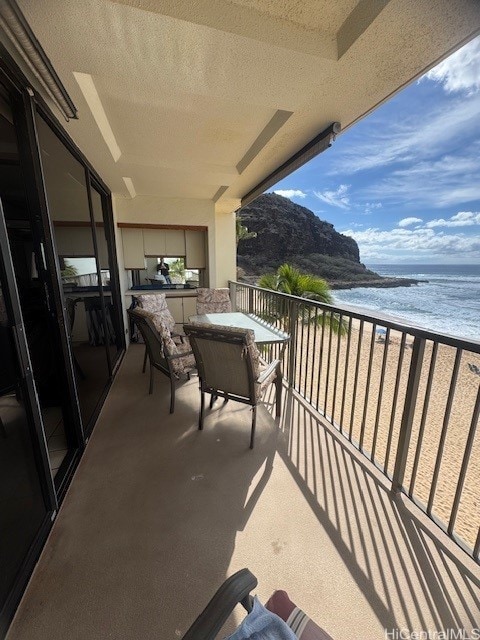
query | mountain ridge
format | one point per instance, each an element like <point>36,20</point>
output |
<point>288,232</point>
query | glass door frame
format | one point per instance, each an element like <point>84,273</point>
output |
<point>24,110</point>
<point>39,445</point>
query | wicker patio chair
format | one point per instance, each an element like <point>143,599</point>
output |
<point>213,301</point>
<point>229,366</point>
<point>172,359</point>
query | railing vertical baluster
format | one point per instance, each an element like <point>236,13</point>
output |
<point>233,294</point>
<point>292,345</point>
<point>314,351</point>
<point>337,361</point>
<point>320,361</point>
<point>423,420</point>
<point>443,436</point>
<point>355,383</point>
<point>250,301</point>
<point>380,394</point>
<point>327,375</point>
<point>345,372</point>
<point>408,414</point>
<point>367,388</point>
<point>466,459</point>
<point>476,548</point>
<point>307,350</point>
<point>403,342</point>
<point>301,339</point>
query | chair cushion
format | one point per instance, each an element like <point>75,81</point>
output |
<point>157,304</point>
<point>213,301</point>
<point>303,627</point>
<point>170,347</point>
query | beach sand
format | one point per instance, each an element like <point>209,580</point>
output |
<point>363,408</point>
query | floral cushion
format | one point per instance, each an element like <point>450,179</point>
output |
<point>169,346</point>
<point>157,304</point>
<point>213,301</point>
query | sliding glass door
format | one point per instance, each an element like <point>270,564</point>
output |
<point>80,269</point>
<point>26,493</point>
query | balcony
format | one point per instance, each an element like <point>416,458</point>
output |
<point>160,513</point>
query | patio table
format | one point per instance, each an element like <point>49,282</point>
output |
<point>264,332</point>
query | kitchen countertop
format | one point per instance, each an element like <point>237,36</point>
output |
<point>169,293</point>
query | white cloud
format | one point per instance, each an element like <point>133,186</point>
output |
<point>448,181</point>
<point>460,219</point>
<point>291,193</point>
<point>460,71</point>
<point>413,244</point>
<point>414,139</point>
<point>405,222</point>
<point>371,206</point>
<point>338,198</point>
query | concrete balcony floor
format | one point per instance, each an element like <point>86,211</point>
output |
<point>159,514</point>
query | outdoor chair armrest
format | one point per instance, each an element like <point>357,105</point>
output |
<point>268,371</point>
<point>234,590</point>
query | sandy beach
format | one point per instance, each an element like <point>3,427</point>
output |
<point>317,366</point>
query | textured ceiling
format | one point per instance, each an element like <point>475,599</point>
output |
<point>205,94</point>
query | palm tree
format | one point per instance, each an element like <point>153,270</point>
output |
<point>290,280</point>
<point>242,232</point>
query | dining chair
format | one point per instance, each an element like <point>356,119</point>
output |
<point>156,303</point>
<point>172,359</point>
<point>213,301</point>
<point>229,366</point>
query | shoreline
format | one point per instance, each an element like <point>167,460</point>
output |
<point>374,283</point>
<point>377,283</point>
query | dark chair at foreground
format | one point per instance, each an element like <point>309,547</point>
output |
<point>173,360</point>
<point>291,622</point>
<point>229,367</point>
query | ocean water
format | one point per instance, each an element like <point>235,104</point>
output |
<point>448,303</point>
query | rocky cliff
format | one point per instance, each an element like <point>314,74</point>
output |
<point>288,232</point>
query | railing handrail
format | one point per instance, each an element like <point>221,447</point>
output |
<point>377,319</point>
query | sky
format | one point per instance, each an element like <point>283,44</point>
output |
<point>404,182</point>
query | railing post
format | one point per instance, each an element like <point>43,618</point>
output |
<point>405,434</point>
<point>233,294</point>
<point>292,345</point>
<point>250,301</point>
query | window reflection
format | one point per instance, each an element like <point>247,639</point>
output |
<point>81,276</point>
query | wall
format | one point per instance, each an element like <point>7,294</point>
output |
<point>182,211</point>
<point>187,211</point>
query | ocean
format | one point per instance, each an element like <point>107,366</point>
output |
<point>448,303</point>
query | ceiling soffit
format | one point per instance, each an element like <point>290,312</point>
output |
<point>206,98</point>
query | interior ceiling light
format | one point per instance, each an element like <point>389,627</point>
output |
<point>131,189</point>
<point>90,93</point>
<point>22,37</point>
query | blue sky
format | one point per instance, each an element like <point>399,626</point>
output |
<point>405,181</point>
